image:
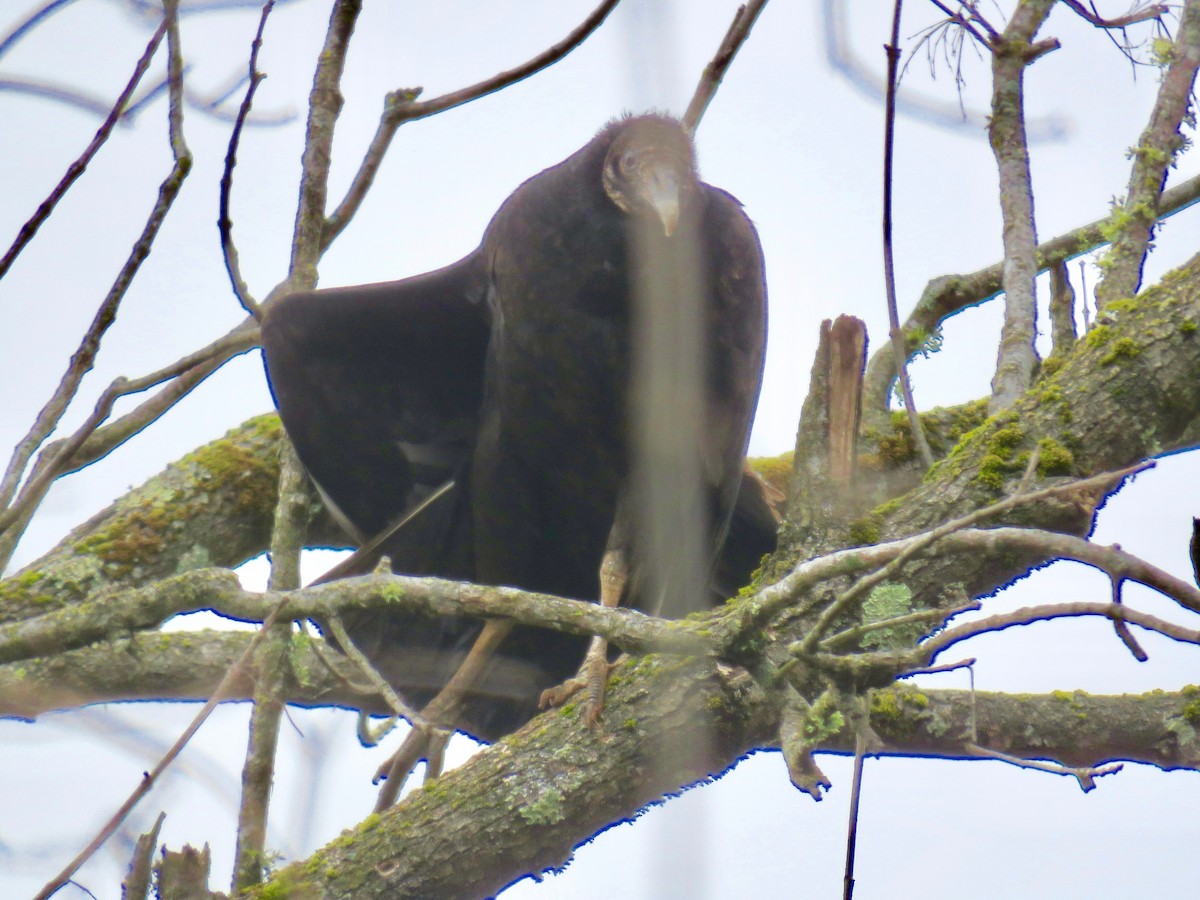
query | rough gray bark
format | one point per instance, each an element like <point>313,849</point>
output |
<point>1011,53</point>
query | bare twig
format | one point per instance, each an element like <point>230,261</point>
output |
<point>739,29</point>
<point>1085,775</point>
<point>30,22</point>
<point>924,617</point>
<point>1138,14</point>
<point>1116,612</point>
<point>184,375</point>
<point>855,794</point>
<point>292,508</point>
<point>84,357</point>
<point>77,168</point>
<point>402,106</point>
<point>1119,625</point>
<point>938,670</point>
<point>889,273</point>
<point>224,223</point>
<point>965,23</point>
<point>325,104</point>
<point>272,662</point>
<point>115,614</point>
<point>377,681</point>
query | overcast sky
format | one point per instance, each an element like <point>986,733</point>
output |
<point>796,134</point>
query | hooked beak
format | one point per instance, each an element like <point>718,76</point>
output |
<point>659,189</point>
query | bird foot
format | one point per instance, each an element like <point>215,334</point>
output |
<point>422,743</point>
<point>593,675</point>
<point>554,697</point>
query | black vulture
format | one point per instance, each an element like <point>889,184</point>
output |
<point>508,380</point>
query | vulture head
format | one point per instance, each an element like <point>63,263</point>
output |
<point>650,170</point>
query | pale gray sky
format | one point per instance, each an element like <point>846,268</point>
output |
<point>800,145</point>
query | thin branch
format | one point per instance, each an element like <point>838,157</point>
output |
<point>855,794</point>
<point>77,168</point>
<point>1085,775</point>
<point>30,22</point>
<point>957,18</point>
<point>923,617</point>
<point>889,272</point>
<point>1144,14</point>
<point>1116,612</point>
<point>116,614</point>
<point>377,681</point>
<point>946,667</point>
<point>293,506</point>
<point>273,664</point>
<point>1119,626</point>
<point>224,223</point>
<point>184,375</point>
<point>739,29</point>
<point>84,358</point>
<point>401,106</point>
<point>1161,142</point>
<point>861,588</point>
<point>324,106</point>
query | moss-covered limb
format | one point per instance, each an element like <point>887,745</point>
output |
<point>210,508</point>
<point>570,783</point>
<point>666,723</point>
<point>1074,728</point>
<point>888,466</point>
<point>948,295</point>
<point>1131,225</point>
<point>141,609</point>
<point>1127,392</point>
<point>172,666</point>
<point>117,614</point>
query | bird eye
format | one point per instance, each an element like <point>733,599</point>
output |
<point>628,161</point>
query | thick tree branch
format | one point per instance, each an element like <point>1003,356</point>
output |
<point>1006,130</point>
<point>569,785</point>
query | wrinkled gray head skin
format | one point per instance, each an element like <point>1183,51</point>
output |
<point>650,169</point>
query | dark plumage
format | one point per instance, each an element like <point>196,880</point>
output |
<point>510,372</point>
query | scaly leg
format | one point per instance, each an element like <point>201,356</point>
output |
<point>593,674</point>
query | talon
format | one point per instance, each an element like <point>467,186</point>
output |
<point>556,696</point>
